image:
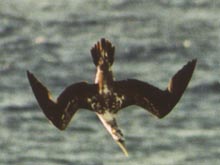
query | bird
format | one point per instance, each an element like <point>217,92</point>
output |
<point>106,96</point>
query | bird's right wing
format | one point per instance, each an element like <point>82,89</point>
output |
<point>158,102</point>
<point>61,111</point>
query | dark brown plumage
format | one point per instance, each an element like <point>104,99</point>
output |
<point>106,97</point>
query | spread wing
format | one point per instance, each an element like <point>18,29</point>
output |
<point>61,111</point>
<point>158,102</point>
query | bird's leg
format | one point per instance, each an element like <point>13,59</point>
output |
<point>109,121</point>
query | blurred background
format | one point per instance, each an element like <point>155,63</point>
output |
<point>153,40</point>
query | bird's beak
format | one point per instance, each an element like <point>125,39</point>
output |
<point>123,147</point>
<point>112,127</point>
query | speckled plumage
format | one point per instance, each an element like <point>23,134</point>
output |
<point>106,96</point>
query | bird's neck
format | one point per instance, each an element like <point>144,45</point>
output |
<point>104,79</point>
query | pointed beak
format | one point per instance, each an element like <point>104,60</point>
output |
<point>110,124</point>
<point>123,147</point>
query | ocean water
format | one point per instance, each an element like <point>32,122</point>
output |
<point>153,40</point>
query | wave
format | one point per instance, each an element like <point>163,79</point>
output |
<point>212,87</point>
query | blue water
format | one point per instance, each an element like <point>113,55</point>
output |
<point>153,39</point>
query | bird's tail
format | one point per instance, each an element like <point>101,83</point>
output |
<point>103,52</point>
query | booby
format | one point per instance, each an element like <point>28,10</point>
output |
<point>106,96</point>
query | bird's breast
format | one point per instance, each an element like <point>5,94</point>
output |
<point>101,103</point>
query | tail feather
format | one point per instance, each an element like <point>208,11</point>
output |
<point>103,51</point>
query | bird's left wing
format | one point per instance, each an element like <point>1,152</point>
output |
<point>61,111</point>
<point>158,102</point>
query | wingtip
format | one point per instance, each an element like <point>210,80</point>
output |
<point>193,61</point>
<point>191,65</point>
<point>179,82</point>
<point>29,75</point>
<point>28,72</point>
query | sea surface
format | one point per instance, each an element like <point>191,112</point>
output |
<point>153,40</point>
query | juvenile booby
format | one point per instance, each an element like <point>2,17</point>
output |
<point>106,97</point>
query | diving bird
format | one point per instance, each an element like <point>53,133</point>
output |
<point>106,96</point>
